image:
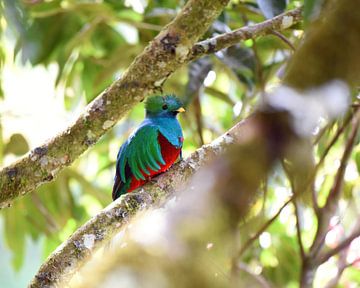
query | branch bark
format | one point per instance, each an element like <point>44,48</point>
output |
<point>78,249</point>
<point>217,43</point>
<point>173,47</point>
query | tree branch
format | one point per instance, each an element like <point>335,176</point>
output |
<point>217,43</point>
<point>342,245</point>
<point>263,228</point>
<point>78,249</point>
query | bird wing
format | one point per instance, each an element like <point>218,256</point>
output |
<point>142,152</point>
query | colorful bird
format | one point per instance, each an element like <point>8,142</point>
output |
<point>152,148</point>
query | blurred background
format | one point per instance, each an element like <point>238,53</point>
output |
<point>58,55</point>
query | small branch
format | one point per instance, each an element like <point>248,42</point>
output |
<point>217,43</point>
<point>335,138</point>
<point>284,39</point>
<point>341,266</point>
<point>338,133</point>
<point>332,200</point>
<point>342,245</point>
<point>263,228</point>
<point>298,231</point>
<point>260,280</point>
<point>78,249</point>
<point>335,192</point>
<point>52,225</point>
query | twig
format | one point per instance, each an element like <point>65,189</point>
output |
<point>342,245</point>
<point>53,226</point>
<point>331,203</point>
<point>260,280</point>
<point>263,228</point>
<point>313,260</point>
<point>284,39</point>
<point>332,142</point>
<point>335,138</point>
<point>298,231</point>
<point>341,266</point>
<point>334,193</point>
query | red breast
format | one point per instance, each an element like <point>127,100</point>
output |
<point>169,153</point>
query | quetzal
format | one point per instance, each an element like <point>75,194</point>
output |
<point>152,148</point>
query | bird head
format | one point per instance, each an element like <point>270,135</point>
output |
<point>163,106</point>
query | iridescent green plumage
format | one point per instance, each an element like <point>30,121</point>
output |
<point>142,155</point>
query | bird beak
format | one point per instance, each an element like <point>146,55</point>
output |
<point>180,110</point>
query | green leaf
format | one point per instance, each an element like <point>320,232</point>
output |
<point>17,145</point>
<point>271,8</point>
<point>357,160</point>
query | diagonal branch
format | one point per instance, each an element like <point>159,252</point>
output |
<point>78,249</point>
<point>263,228</point>
<point>166,53</point>
<point>342,245</point>
<point>217,43</point>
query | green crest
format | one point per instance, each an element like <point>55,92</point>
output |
<point>160,104</point>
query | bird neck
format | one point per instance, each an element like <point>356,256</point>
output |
<point>163,114</point>
<point>169,127</point>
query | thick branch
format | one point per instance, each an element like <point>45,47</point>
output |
<point>166,53</point>
<point>77,250</point>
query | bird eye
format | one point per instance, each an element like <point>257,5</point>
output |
<point>164,107</point>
